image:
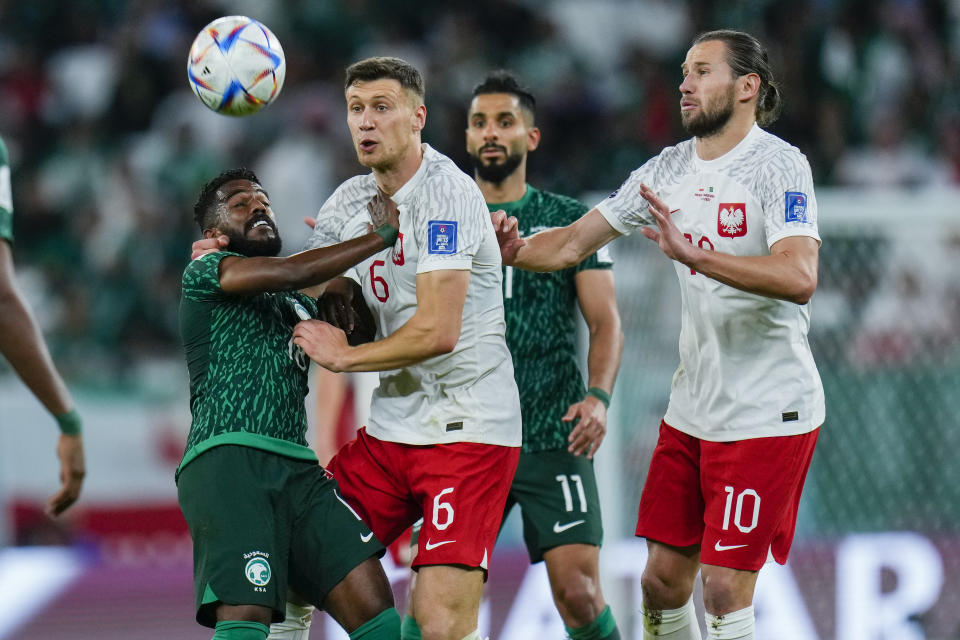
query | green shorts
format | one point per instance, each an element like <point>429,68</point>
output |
<point>262,523</point>
<point>559,503</point>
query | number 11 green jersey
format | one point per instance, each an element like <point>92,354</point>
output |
<point>541,324</point>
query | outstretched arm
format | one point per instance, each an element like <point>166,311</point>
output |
<point>552,249</point>
<point>313,267</point>
<point>788,273</point>
<point>598,301</point>
<point>23,346</point>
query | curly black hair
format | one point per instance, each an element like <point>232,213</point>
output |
<point>205,207</point>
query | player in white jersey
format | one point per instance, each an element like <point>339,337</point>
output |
<point>734,208</point>
<point>444,432</point>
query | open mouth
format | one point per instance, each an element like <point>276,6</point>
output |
<point>367,145</point>
<point>259,223</point>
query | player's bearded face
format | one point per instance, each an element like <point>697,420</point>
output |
<point>255,239</point>
<point>712,116</point>
<point>495,169</point>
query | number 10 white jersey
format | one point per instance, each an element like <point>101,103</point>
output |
<point>746,370</point>
<point>468,395</point>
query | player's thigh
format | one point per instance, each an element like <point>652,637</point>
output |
<point>559,501</point>
<point>231,498</point>
<point>328,541</point>
<point>752,492</point>
<point>462,488</point>
<point>371,475</point>
<point>447,599</point>
<point>671,504</point>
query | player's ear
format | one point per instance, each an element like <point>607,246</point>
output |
<point>211,233</point>
<point>419,118</point>
<point>748,86</point>
<point>533,138</point>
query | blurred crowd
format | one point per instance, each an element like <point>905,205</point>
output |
<point>109,147</point>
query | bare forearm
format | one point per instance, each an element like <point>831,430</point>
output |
<point>562,247</point>
<point>773,276</point>
<point>22,345</point>
<point>603,356</point>
<point>414,342</point>
<point>549,250</point>
<point>299,271</point>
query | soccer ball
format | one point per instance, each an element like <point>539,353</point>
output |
<point>236,66</point>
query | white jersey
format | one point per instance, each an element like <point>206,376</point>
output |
<point>746,370</point>
<point>468,395</point>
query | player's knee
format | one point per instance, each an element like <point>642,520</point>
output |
<point>438,627</point>
<point>722,593</point>
<point>577,596</point>
<point>443,623</point>
<point>663,591</point>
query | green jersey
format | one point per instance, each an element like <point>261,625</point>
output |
<point>6,196</point>
<point>541,324</point>
<point>247,379</point>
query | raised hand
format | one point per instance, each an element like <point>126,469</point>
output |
<point>208,245</point>
<point>508,235</point>
<point>383,211</point>
<point>669,238</point>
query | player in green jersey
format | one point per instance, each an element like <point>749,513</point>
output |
<point>265,517</point>
<point>21,343</point>
<point>564,421</point>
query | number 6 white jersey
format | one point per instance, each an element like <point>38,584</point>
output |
<point>468,395</point>
<point>746,370</point>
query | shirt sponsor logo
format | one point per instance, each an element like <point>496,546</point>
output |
<point>704,193</point>
<point>442,237</point>
<point>795,209</point>
<point>732,219</point>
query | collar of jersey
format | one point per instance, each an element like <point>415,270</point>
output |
<point>403,193</point>
<point>516,205</point>
<point>730,156</point>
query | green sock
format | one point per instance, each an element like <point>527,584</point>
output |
<point>241,630</point>
<point>603,628</point>
<point>384,626</point>
<point>410,630</point>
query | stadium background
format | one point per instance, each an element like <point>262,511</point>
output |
<point>109,148</point>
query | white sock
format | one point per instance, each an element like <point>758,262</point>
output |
<point>736,625</point>
<point>671,624</point>
<point>296,626</point>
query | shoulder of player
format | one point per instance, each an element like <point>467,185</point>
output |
<point>447,180</point>
<point>770,147</point>
<point>355,188</point>
<point>565,207</point>
<point>206,262</point>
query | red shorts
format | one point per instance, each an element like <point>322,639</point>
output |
<point>737,500</point>
<point>459,489</point>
